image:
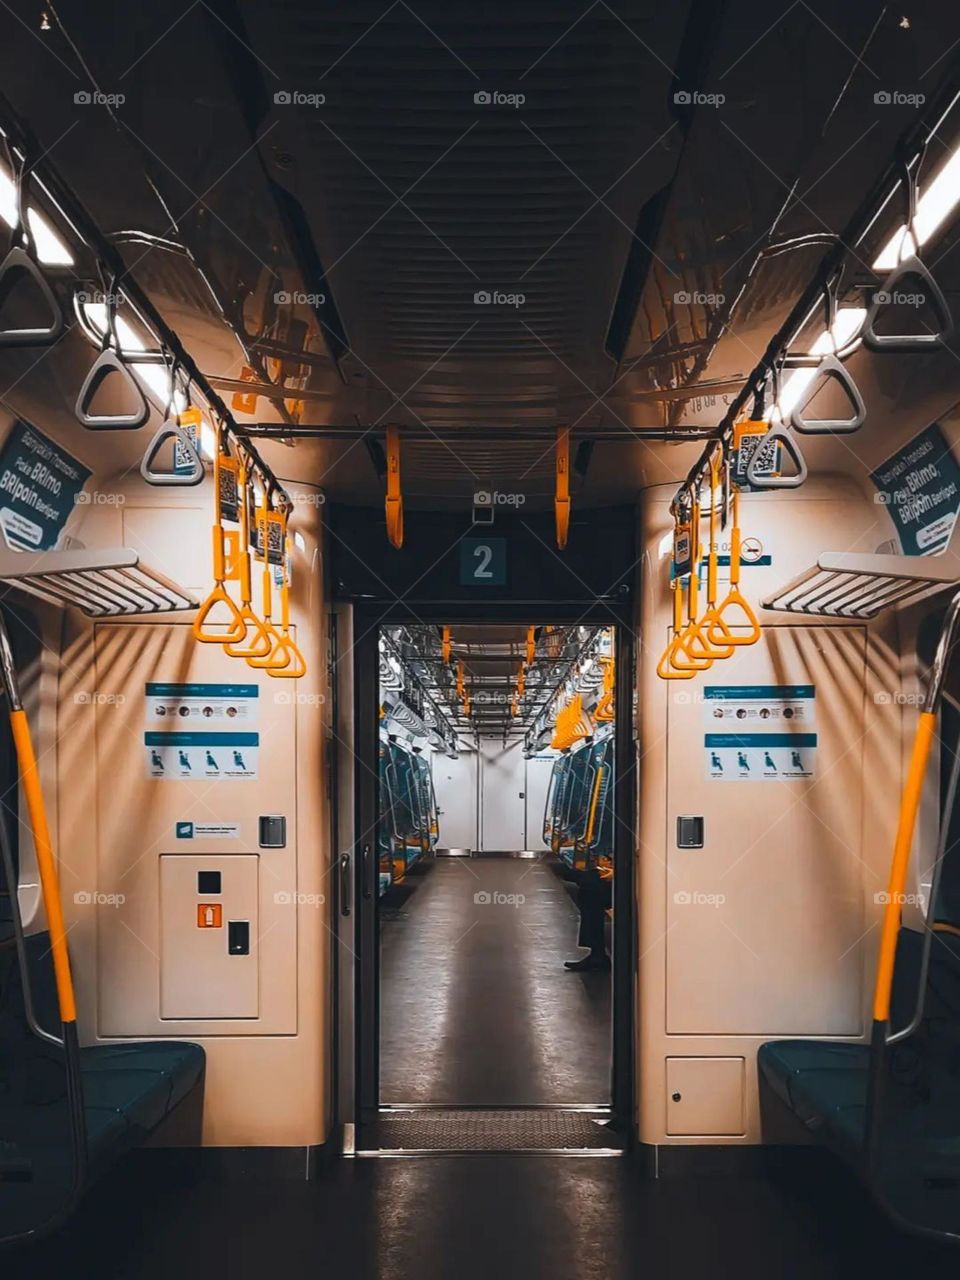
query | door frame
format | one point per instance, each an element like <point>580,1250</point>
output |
<point>364,1016</point>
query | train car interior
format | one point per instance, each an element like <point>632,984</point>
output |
<point>479,616</point>
<point>500,741</point>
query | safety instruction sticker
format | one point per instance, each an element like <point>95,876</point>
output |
<point>195,704</point>
<point>207,756</point>
<point>759,757</point>
<point>920,487</point>
<point>760,705</point>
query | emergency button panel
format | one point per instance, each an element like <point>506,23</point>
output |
<point>209,966</point>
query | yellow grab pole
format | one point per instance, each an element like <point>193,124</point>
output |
<point>46,864</point>
<point>909,806</point>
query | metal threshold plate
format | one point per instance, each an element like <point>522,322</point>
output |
<point>525,1130</point>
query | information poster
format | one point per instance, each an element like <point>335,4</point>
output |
<point>201,755</point>
<point>40,484</point>
<point>759,757</point>
<point>195,704</point>
<point>759,705</point>
<point>201,731</point>
<point>760,733</point>
<point>920,487</point>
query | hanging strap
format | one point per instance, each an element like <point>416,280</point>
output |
<point>22,263</point>
<point>394,499</point>
<point>224,477</point>
<point>734,603</point>
<point>256,640</point>
<point>561,497</point>
<point>296,665</point>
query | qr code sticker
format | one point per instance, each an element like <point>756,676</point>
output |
<point>275,547</point>
<point>229,496</point>
<point>768,462</point>
<point>182,459</point>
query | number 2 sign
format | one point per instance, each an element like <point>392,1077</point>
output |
<point>483,562</point>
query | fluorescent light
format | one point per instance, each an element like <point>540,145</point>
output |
<point>50,248</point>
<point>933,208</point>
<point>848,322</point>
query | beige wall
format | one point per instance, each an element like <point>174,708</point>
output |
<point>769,931</point>
<point>267,1074</point>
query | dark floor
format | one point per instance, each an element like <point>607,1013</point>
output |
<point>476,1006</point>
<point>479,1218</point>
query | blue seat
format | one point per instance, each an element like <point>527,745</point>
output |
<point>824,1084</point>
<point>130,1089</point>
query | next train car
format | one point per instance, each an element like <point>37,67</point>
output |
<point>479,603</point>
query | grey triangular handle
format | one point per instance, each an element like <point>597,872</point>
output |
<point>829,369</point>
<point>106,364</point>
<point>911,266</point>
<point>167,431</point>
<point>778,434</point>
<point>19,260</point>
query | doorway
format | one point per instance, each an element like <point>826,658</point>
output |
<point>469,1030</point>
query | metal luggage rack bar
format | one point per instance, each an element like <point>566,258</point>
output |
<point>102,583</point>
<point>847,585</point>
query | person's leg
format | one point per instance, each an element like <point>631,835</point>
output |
<point>592,899</point>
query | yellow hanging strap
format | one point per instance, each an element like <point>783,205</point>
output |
<point>700,645</point>
<point>270,524</point>
<point>665,668</point>
<point>605,707</point>
<point>296,665</point>
<point>445,645</point>
<point>257,642</point>
<point>394,502</point>
<point>561,498</point>
<point>734,601</point>
<point>225,495</point>
<point>681,657</point>
<point>531,645</point>
<point>682,555</point>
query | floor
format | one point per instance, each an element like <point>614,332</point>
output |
<point>476,1006</point>
<point>478,1218</point>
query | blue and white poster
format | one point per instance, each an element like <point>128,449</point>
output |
<point>757,706</point>
<point>920,487</point>
<point>40,484</point>
<point>760,732</point>
<point>760,757</point>
<point>199,730</point>
<point>207,756</point>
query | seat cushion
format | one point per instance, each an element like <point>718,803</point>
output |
<point>130,1089</point>
<point>824,1084</point>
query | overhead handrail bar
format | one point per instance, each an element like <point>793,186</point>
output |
<point>858,227</point>
<point>82,225</point>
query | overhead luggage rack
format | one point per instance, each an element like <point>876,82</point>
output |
<point>845,584</point>
<point>101,582</point>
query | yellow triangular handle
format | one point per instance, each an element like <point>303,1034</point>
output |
<point>295,664</point>
<point>237,628</point>
<point>259,646</point>
<point>279,655</point>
